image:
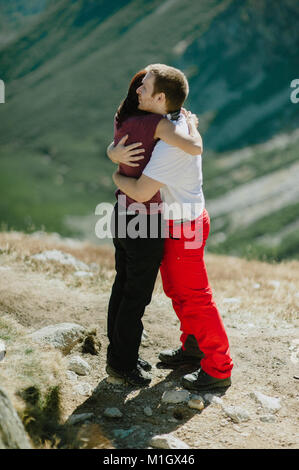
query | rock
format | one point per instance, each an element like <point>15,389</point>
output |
<point>148,411</point>
<point>62,336</point>
<point>175,396</point>
<point>62,258</point>
<point>12,432</point>
<point>236,414</point>
<point>83,274</point>
<point>196,404</point>
<point>231,300</point>
<point>173,420</point>
<point>122,433</point>
<point>79,418</point>
<point>268,419</point>
<point>237,428</point>
<point>71,375</point>
<point>144,336</point>
<point>274,283</point>
<point>268,403</point>
<point>83,388</point>
<point>167,441</point>
<point>78,365</point>
<point>2,350</point>
<point>210,398</point>
<point>113,413</point>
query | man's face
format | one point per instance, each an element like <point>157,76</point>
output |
<point>147,102</point>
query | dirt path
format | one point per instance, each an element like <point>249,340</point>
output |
<point>259,304</point>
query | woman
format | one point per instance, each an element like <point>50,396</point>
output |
<point>137,260</point>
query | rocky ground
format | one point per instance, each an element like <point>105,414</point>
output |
<point>46,280</point>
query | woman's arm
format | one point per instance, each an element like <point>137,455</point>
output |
<point>168,132</point>
<point>125,154</point>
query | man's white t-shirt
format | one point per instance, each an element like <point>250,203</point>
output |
<point>182,174</point>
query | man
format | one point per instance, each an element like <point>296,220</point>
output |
<point>178,177</point>
<point>138,255</point>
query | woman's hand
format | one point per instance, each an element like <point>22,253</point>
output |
<point>125,154</point>
<point>192,120</point>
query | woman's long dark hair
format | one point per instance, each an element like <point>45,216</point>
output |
<point>129,106</point>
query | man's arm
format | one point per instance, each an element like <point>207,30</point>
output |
<point>125,154</point>
<point>141,190</point>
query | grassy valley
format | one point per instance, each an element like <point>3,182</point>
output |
<point>67,72</point>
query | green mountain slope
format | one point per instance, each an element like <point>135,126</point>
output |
<point>74,72</point>
<point>15,15</point>
<point>241,77</point>
<point>66,75</point>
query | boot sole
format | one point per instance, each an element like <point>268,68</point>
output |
<point>206,388</point>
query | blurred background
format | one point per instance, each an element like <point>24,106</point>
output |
<point>66,66</point>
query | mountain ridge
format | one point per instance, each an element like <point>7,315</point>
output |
<point>66,75</point>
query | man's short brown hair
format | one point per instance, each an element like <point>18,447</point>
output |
<point>172,82</point>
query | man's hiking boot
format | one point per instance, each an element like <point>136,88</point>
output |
<point>136,376</point>
<point>144,364</point>
<point>200,380</point>
<point>177,357</point>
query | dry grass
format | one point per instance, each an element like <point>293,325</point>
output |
<point>26,364</point>
<point>34,294</point>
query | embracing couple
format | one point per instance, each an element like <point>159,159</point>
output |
<point>165,173</point>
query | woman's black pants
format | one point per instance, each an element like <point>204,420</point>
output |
<point>137,262</point>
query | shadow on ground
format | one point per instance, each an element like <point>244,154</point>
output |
<point>134,429</point>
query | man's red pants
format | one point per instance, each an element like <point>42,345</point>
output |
<point>185,281</point>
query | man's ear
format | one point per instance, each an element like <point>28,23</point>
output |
<point>162,98</point>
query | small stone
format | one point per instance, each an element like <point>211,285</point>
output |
<point>79,418</point>
<point>61,257</point>
<point>167,441</point>
<point>269,403</point>
<point>274,283</point>
<point>231,300</point>
<point>78,365</point>
<point>113,413</point>
<point>196,404</point>
<point>210,398</point>
<point>268,419</point>
<point>83,274</point>
<point>84,389</point>
<point>148,411</point>
<point>173,420</point>
<point>236,414</point>
<point>178,396</point>
<point>144,335</point>
<point>71,375</point>
<point>122,433</point>
<point>237,428</point>
<point>2,350</point>
<point>63,336</point>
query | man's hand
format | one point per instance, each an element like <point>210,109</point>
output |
<point>126,154</point>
